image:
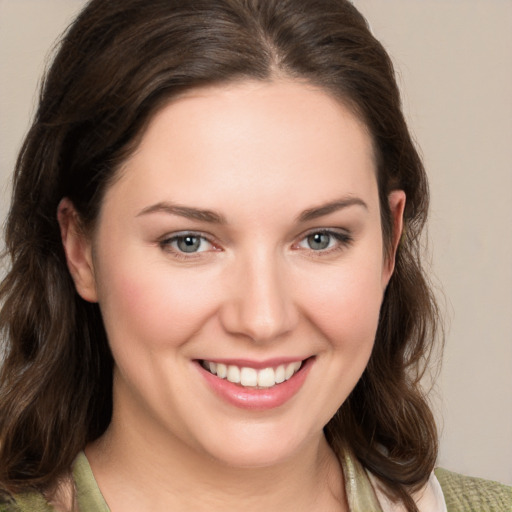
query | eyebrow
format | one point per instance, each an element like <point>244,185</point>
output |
<point>185,211</point>
<point>331,207</point>
<point>217,218</point>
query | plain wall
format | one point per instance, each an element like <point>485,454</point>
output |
<point>454,61</point>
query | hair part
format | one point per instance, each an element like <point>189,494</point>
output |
<point>118,64</point>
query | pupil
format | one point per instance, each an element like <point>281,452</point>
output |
<point>319,241</point>
<point>189,243</point>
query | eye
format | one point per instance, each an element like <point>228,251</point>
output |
<point>319,241</point>
<point>325,240</point>
<point>187,243</point>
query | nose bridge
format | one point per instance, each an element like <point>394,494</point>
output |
<point>261,304</point>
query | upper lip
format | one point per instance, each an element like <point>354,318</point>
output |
<point>257,365</point>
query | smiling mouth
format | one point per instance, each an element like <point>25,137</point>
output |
<point>250,377</point>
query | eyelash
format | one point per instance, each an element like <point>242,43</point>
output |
<point>167,244</point>
<point>343,240</point>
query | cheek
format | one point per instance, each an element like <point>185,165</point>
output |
<point>345,304</point>
<point>152,306</point>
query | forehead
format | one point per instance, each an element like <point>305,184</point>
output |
<point>267,140</point>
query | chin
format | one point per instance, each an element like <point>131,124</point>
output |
<point>253,458</point>
<point>259,448</point>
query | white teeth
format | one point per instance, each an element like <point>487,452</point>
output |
<point>290,370</point>
<point>250,377</point>
<point>233,374</point>
<point>222,370</point>
<point>266,378</point>
<point>280,374</point>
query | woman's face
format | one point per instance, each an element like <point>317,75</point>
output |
<point>242,238</point>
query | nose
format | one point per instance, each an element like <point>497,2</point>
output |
<point>259,303</point>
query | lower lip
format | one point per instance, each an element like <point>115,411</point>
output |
<point>253,398</point>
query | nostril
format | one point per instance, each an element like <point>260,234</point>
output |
<point>258,304</point>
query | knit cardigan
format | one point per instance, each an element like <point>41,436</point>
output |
<point>461,493</point>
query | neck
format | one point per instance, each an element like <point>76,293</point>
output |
<point>142,469</point>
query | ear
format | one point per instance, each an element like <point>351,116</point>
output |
<point>396,201</point>
<point>77,247</point>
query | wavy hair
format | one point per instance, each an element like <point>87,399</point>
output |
<point>116,65</point>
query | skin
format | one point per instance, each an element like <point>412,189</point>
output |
<point>259,155</point>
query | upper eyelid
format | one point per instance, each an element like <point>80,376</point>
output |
<point>210,237</point>
<point>343,237</point>
<point>167,241</point>
<point>216,242</point>
<point>179,234</point>
<point>331,230</point>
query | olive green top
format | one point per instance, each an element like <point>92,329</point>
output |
<point>461,493</point>
<point>468,494</point>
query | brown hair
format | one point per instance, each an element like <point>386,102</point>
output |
<point>117,65</point>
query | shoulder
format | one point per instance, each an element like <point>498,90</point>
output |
<point>468,494</point>
<point>26,502</point>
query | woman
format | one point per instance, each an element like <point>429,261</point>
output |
<point>216,298</point>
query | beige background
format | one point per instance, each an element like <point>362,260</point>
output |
<point>454,59</point>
